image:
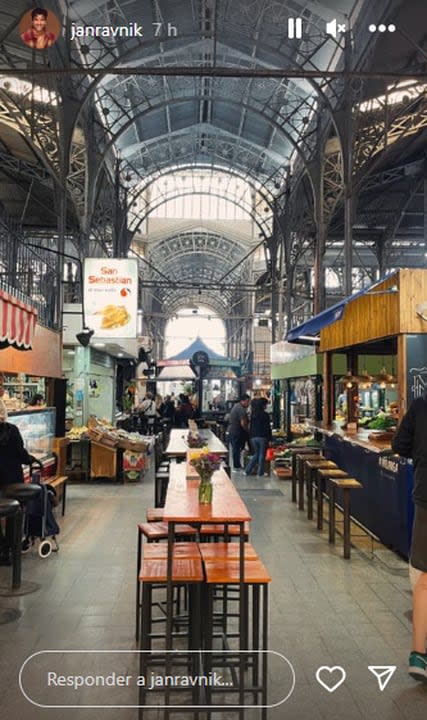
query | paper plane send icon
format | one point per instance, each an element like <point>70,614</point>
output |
<point>383,673</point>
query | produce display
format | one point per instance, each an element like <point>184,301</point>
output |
<point>77,433</point>
<point>103,433</point>
<point>382,422</point>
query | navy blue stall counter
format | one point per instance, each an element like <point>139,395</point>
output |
<point>384,506</point>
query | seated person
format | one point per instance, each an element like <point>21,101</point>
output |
<point>36,401</point>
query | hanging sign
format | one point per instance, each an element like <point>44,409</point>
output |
<point>111,296</point>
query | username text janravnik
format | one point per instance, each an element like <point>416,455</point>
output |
<point>131,30</point>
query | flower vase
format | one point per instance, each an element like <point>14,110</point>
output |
<point>205,491</point>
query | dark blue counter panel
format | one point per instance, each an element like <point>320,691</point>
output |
<point>384,505</point>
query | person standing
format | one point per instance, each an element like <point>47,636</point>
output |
<point>184,411</point>
<point>147,410</point>
<point>410,441</point>
<point>260,436</point>
<point>13,456</point>
<point>238,429</point>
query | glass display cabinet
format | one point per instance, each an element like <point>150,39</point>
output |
<point>37,428</point>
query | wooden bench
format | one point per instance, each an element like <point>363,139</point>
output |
<point>59,483</point>
<point>346,486</point>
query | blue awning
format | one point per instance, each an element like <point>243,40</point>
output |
<point>309,331</point>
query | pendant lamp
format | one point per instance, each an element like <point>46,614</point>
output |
<point>365,379</point>
<point>349,380</point>
<point>385,378</point>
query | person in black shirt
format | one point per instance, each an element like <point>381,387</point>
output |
<point>260,436</point>
<point>12,456</point>
<point>411,441</point>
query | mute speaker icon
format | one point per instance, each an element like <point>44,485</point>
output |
<point>331,28</point>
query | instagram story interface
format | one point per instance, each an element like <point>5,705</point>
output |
<point>213,359</point>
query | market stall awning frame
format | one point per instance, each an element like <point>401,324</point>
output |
<point>17,323</point>
<point>176,372</point>
<point>308,331</point>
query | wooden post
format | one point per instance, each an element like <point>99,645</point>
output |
<point>328,389</point>
<point>402,379</point>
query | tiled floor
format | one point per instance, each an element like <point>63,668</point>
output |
<point>324,611</point>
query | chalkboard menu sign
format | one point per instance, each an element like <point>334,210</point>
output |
<point>416,363</point>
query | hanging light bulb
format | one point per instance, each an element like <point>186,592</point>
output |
<point>349,380</point>
<point>385,378</point>
<point>365,379</point>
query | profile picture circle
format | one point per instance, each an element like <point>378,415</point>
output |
<point>39,28</point>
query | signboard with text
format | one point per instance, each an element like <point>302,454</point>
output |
<point>111,296</point>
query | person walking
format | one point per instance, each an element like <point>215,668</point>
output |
<point>260,436</point>
<point>238,429</point>
<point>410,441</point>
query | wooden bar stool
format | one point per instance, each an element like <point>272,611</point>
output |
<point>155,514</point>
<point>152,575</point>
<point>300,459</point>
<point>226,551</point>
<point>346,485</point>
<point>161,483</point>
<point>215,533</point>
<point>223,573</point>
<point>322,475</point>
<point>310,467</point>
<point>295,454</point>
<point>154,532</point>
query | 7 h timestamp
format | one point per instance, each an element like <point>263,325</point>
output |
<point>164,29</point>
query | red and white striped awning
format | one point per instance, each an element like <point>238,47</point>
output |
<point>17,322</point>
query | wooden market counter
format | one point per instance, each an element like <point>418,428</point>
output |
<point>358,438</point>
<point>384,506</point>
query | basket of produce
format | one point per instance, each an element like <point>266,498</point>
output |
<point>384,436</point>
<point>383,423</point>
<point>95,434</point>
<point>282,471</point>
<point>109,439</point>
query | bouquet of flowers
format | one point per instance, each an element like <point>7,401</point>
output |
<point>206,463</point>
<point>194,440</point>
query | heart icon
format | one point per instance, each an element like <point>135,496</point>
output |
<point>333,677</point>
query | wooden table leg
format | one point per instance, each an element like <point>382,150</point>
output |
<point>331,513</point>
<point>294,478</point>
<point>346,508</point>
<point>301,473</point>
<point>309,477</point>
<point>319,485</point>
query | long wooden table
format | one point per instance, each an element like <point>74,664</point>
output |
<point>182,506</point>
<point>178,447</point>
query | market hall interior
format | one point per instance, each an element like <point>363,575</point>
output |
<point>199,202</point>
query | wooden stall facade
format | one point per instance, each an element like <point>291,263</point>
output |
<point>391,309</point>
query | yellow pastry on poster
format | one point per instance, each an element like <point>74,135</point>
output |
<point>114,316</point>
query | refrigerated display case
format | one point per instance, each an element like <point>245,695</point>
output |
<point>37,428</point>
